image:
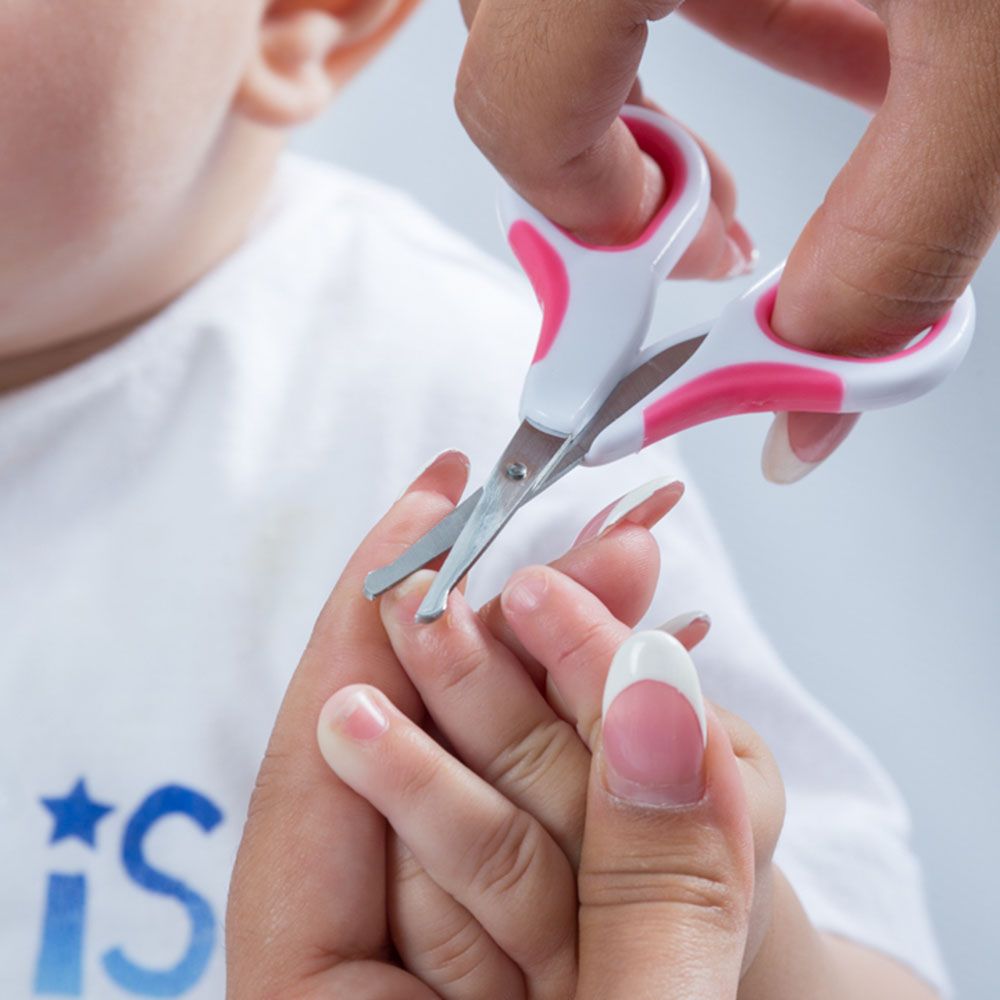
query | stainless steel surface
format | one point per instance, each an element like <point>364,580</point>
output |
<point>502,495</point>
<point>429,546</point>
<point>545,459</point>
<point>632,389</point>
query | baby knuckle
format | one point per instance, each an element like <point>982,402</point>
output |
<point>531,758</point>
<point>593,641</point>
<point>413,781</point>
<point>457,954</point>
<point>405,867</point>
<point>455,662</point>
<point>507,855</point>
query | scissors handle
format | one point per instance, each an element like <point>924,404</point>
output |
<point>744,367</point>
<point>597,301</point>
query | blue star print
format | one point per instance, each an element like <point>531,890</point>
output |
<point>76,815</point>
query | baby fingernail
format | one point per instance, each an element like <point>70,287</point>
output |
<point>654,728</point>
<point>646,505</point>
<point>399,606</point>
<point>353,714</point>
<point>524,594</point>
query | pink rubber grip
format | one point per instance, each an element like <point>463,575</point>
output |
<point>747,388</point>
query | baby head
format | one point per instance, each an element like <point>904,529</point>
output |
<point>137,138</point>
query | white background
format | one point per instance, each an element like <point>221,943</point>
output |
<point>877,577</point>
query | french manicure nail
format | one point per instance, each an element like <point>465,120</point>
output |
<point>744,241</point>
<point>738,263</point>
<point>681,622</point>
<point>814,437</point>
<point>441,456</point>
<point>654,727</point>
<point>690,628</point>
<point>793,449</point>
<point>645,506</point>
<point>741,251</point>
<point>779,463</point>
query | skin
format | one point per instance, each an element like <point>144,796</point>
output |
<point>172,145</point>
<point>503,866</point>
<point>903,227</point>
<point>131,168</point>
<point>315,908</point>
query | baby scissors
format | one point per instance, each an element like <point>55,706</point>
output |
<point>593,394</point>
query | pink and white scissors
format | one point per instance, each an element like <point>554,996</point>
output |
<point>593,394</point>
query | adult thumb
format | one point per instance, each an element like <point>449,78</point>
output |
<point>908,220</point>
<point>667,869</point>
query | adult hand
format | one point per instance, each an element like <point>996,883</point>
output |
<point>309,909</point>
<point>904,225</point>
<point>686,859</point>
<point>683,862</point>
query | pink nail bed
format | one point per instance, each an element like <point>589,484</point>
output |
<point>814,436</point>
<point>653,746</point>
<point>645,506</point>
<point>356,716</point>
<point>525,595</point>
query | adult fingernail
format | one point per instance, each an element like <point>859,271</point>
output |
<point>524,593</point>
<point>645,506</point>
<point>689,628</point>
<point>794,447</point>
<point>654,729</point>
<point>352,714</point>
<point>444,457</point>
<point>741,252</point>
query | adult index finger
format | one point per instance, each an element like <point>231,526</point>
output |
<point>308,889</point>
<point>539,91</point>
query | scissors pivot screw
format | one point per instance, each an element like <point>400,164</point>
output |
<point>516,470</point>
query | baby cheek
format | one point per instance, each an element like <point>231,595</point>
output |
<point>109,111</point>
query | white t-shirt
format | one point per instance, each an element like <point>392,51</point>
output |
<point>173,513</point>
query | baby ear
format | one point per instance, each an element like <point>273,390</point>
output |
<point>306,50</point>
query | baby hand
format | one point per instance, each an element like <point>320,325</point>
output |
<point>484,898</point>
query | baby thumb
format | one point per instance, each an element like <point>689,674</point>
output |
<point>666,875</point>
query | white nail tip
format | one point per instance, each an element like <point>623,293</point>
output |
<point>684,621</point>
<point>425,467</point>
<point>631,500</point>
<point>779,463</point>
<point>655,656</point>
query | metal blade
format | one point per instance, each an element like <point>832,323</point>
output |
<point>429,546</point>
<point>546,459</point>
<point>633,388</point>
<point>528,456</point>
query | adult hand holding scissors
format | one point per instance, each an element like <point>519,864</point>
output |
<point>318,906</point>
<point>904,225</point>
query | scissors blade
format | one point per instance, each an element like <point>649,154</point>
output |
<point>658,365</point>
<point>527,457</point>
<point>429,546</point>
<point>654,368</point>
